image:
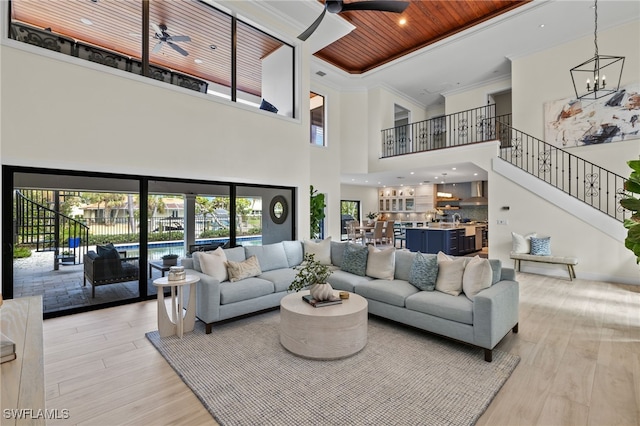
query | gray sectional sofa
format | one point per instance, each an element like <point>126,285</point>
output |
<point>482,320</point>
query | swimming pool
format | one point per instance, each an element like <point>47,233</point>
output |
<point>158,249</point>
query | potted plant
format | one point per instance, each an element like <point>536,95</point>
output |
<point>317,206</point>
<point>170,259</point>
<point>313,274</point>
<point>372,216</point>
<point>631,203</point>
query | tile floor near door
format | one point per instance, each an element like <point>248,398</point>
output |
<point>579,344</point>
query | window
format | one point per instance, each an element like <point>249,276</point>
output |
<point>316,106</point>
<point>349,210</point>
<point>191,44</point>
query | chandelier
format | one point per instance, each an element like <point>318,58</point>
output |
<point>590,77</point>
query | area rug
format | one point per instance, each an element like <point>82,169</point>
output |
<point>403,376</point>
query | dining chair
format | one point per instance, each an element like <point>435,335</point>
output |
<point>389,232</point>
<point>376,235</point>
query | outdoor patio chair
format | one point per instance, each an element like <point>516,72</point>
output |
<point>108,266</point>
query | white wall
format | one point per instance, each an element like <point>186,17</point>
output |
<point>277,75</point>
<point>61,113</point>
<point>544,76</point>
<point>325,162</point>
<point>476,97</point>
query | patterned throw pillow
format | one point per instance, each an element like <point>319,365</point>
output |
<point>541,246</point>
<point>245,269</point>
<point>355,259</point>
<point>424,271</point>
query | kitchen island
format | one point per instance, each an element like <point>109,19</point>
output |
<point>452,239</point>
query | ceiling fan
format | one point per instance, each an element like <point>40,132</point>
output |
<point>338,6</point>
<point>164,37</point>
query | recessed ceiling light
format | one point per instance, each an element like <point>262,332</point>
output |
<point>541,25</point>
<point>453,168</point>
<point>412,173</point>
<point>475,174</point>
<point>86,21</point>
<point>198,61</point>
<point>402,21</point>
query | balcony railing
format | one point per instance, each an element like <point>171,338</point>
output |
<point>461,128</point>
<point>579,178</point>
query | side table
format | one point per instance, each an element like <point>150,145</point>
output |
<point>179,323</point>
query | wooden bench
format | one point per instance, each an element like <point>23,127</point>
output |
<point>558,260</point>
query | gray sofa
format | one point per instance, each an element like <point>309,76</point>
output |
<point>482,321</point>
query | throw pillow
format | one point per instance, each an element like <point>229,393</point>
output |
<point>450,273</point>
<point>355,259</point>
<point>477,276</point>
<point>381,263</point>
<point>245,269</point>
<point>213,263</point>
<point>541,246</point>
<point>521,243</point>
<point>424,271</point>
<point>321,250</point>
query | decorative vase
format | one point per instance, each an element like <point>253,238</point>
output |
<point>321,291</point>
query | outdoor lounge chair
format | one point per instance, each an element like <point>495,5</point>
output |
<point>108,266</point>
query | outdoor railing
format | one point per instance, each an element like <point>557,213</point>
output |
<point>461,128</point>
<point>579,178</point>
<point>48,230</point>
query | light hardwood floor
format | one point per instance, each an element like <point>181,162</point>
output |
<point>579,344</point>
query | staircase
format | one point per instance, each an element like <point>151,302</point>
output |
<point>47,229</point>
<point>581,179</point>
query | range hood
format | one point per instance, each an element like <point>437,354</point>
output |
<point>477,195</point>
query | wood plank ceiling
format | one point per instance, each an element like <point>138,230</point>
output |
<point>377,39</point>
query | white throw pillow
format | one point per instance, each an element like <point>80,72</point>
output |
<point>320,250</point>
<point>450,272</point>
<point>213,263</point>
<point>245,269</point>
<point>381,263</point>
<point>477,276</point>
<point>521,243</point>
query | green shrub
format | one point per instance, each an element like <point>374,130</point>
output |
<point>20,252</point>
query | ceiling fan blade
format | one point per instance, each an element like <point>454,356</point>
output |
<point>180,38</point>
<point>157,29</point>
<point>178,49</point>
<point>305,35</point>
<point>157,47</point>
<point>377,5</point>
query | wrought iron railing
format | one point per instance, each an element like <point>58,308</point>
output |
<point>579,178</point>
<point>49,230</point>
<point>461,128</point>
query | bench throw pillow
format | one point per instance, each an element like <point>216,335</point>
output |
<point>521,243</point>
<point>355,259</point>
<point>245,269</point>
<point>477,276</point>
<point>424,271</point>
<point>213,263</point>
<point>450,273</point>
<point>321,250</point>
<point>541,246</point>
<point>381,263</point>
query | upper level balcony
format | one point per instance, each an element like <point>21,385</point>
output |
<point>461,128</point>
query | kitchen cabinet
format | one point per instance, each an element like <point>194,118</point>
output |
<point>406,199</point>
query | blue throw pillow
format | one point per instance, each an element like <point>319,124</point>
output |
<point>541,246</point>
<point>424,271</point>
<point>355,259</point>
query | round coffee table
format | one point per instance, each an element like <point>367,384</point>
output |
<point>328,332</point>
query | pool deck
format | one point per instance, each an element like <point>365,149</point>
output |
<point>63,289</point>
